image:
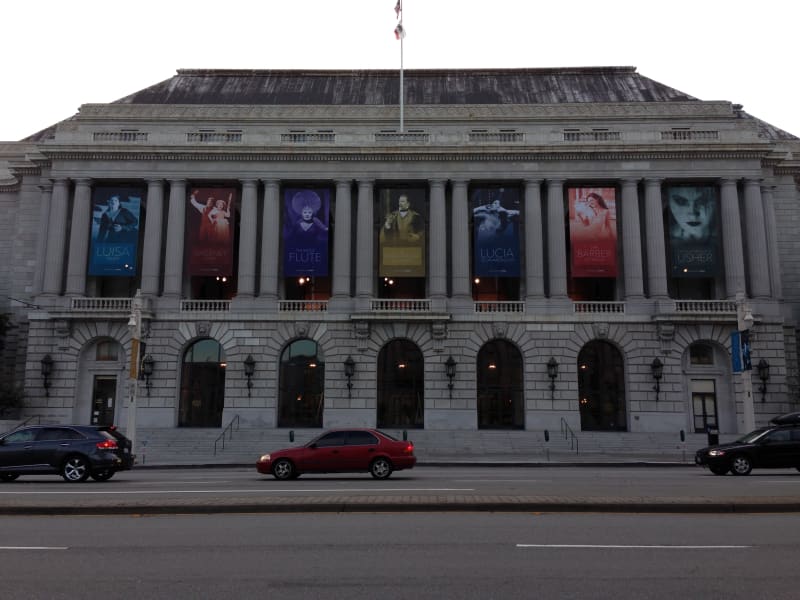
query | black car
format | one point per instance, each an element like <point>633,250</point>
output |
<point>76,452</point>
<point>774,447</point>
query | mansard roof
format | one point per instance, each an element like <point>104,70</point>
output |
<point>421,86</point>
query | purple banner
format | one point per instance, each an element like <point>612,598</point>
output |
<point>496,219</point>
<point>305,232</point>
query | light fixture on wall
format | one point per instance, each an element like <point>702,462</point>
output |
<point>147,370</point>
<point>657,369</point>
<point>552,373</point>
<point>450,371</point>
<point>763,375</point>
<point>249,371</point>
<point>47,370</point>
<point>349,371</point>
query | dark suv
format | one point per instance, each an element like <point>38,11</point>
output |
<point>73,451</point>
<point>773,447</point>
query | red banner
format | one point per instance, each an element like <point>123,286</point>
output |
<point>209,231</point>
<point>593,231</point>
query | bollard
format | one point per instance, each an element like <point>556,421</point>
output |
<point>683,435</point>
<point>546,435</point>
<point>291,435</point>
<point>405,435</point>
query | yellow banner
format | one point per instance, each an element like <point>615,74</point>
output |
<point>134,371</point>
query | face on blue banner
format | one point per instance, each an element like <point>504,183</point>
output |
<point>305,232</point>
<point>115,231</point>
<point>496,219</point>
<point>693,229</point>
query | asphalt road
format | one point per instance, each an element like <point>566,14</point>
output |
<point>461,556</point>
<point>647,489</point>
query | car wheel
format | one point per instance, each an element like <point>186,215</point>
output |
<point>103,475</point>
<point>75,469</point>
<point>8,476</point>
<point>719,470</point>
<point>283,469</point>
<point>380,468</point>
<point>741,465</point>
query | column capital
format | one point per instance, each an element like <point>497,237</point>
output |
<point>343,182</point>
<point>555,180</point>
<point>249,182</point>
<point>533,180</point>
<point>631,180</point>
<point>87,181</point>
<point>154,181</point>
<point>727,181</point>
<point>651,181</point>
<point>45,187</point>
<point>437,182</point>
<point>177,180</point>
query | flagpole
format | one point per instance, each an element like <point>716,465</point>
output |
<point>400,33</point>
<point>401,84</point>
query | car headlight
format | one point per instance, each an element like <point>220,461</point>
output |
<point>264,458</point>
<point>716,452</point>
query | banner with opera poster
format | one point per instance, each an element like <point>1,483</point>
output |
<point>693,230</point>
<point>402,213</point>
<point>593,231</point>
<point>210,220</point>
<point>116,215</point>
<point>496,227</point>
<point>305,232</point>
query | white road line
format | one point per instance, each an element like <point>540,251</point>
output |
<point>34,547</point>
<point>624,547</point>
<point>251,491</point>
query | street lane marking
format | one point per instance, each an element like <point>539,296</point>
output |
<point>624,547</point>
<point>34,547</point>
<point>251,491</point>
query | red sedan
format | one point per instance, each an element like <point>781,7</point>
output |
<point>341,451</point>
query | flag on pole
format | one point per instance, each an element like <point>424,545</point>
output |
<point>398,8</point>
<point>399,32</point>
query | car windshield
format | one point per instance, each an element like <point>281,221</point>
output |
<point>753,436</point>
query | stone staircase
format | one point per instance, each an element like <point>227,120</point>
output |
<point>185,446</point>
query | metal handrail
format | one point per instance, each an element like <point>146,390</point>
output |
<point>229,430</point>
<point>567,432</point>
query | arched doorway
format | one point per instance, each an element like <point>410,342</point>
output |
<point>500,398</point>
<point>601,388</point>
<point>302,385</point>
<point>401,382</point>
<point>202,385</point>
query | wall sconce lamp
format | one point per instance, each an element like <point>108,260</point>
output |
<point>349,371</point>
<point>552,373</point>
<point>47,370</point>
<point>657,369</point>
<point>249,370</point>
<point>450,371</point>
<point>763,375</point>
<point>147,371</point>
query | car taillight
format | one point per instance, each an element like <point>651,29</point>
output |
<point>107,445</point>
<point>409,448</point>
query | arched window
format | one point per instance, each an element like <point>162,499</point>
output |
<point>601,388</point>
<point>302,385</point>
<point>202,385</point>
<point>500,398</point>
<point>401,382</point>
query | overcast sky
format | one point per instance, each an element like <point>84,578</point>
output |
<point>57,55</point>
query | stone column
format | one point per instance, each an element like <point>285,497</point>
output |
<point>556,241</point>
<point>534,241</point>
<point>656,251</point>
<point>176,227</point>
<point>632,241</point>
<point>772,242</point>
<point>342,234</point>
<point>364,245</point>
<point>41,240</point>
<point>246,284</point>
<point>459,246</point>
<point>437,246</point>
<point>79,238</point>
<point>151,255</point>
<point>732,240</point>
<point>756,239</point>
<point>56,238</point>
<point>270,240</point>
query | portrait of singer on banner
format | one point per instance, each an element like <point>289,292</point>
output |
<point>593,231</point>
<point>496,217</point>
<point>210,218</point>
<point>305,232</point>
<point>692,224</point>
<point>116,215</point>
<point>401,234</point>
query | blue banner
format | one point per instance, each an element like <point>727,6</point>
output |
<point>740,351</point>
<point>496,240</point>
<point>305,232</point>
<point>115,231</point>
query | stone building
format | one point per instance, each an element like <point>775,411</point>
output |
<point>527,248</point>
